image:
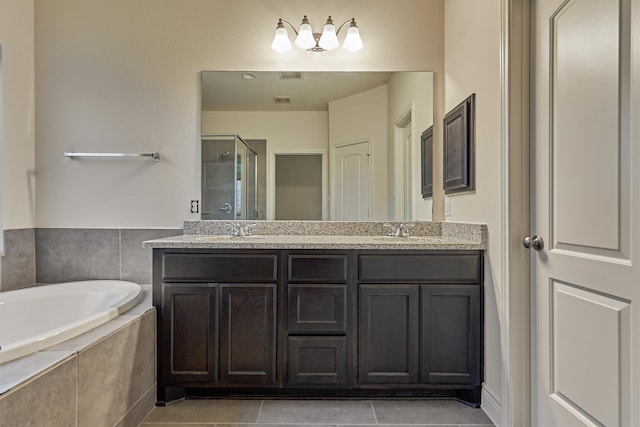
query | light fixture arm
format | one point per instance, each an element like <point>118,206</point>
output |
<point>352,20</point>
<point>280,25</point>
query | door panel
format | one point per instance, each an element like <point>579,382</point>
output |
<point>247,334</point>
<point>351,182</point>
<point>450,334</point>
<point>189,316</point>
<point>585,124</point>
<point>585,121</point>
<point>389,335</point>
<point>590,338</point>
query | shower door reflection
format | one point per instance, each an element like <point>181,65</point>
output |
<point>229,178</point>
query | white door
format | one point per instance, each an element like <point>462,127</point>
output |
<point>586,207</point>
<point>350,193</point>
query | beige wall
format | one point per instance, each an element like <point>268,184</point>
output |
<point>358,118</point>
<point>414,90</point>
<point>475,25</point>
<point>137,89</point>
<point>18,138</point>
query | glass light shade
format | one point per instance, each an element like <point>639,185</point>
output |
<point>281,42</point>
<point>353,42</point>
<point>305,38</point>
<point>328,39</point>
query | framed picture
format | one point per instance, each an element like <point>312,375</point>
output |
<point>426,167</point>
<point>458,150</point>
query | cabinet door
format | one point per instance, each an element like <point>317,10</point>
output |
<point>247,334</point>
<point>451,333</point>
<point>388,334</point>
<point>189,333</point>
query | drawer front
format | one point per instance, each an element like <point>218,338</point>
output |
<point>318,268</point>
<point>421,268</point>
<point>317,308</point>
<point>317,361</point>
<point>220,267</point>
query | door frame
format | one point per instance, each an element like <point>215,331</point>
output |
<point>406,118</point>
<point>515,212</point>
<point>271,178</point>
<point>332,203</point>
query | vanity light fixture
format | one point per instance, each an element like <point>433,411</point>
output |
<point>316,42</point>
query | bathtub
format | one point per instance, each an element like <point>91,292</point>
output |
<point>35,318</point>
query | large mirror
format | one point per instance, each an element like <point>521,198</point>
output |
<point>329,145</point>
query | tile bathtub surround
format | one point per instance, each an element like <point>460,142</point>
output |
<point>111,381</point>
<point>50,399</point>
<point>19,261</point>
<point>317,413</point>
<point>69,254</point>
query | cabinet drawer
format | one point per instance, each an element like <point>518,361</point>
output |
<point>219,267</point>
<point>317,361</point>
<point>318,268</point>
<point>421,268</point>
<point>317,308</point>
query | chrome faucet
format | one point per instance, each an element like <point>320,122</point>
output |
<point>239,229</point>
<point>400,230</point>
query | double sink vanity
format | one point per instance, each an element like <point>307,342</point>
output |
<point>314,309</point>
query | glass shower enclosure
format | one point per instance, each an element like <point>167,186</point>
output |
<point>229,178</point>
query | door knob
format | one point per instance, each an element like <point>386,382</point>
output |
<point>534,242</point>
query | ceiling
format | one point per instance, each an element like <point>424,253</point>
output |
<point>229,91</point>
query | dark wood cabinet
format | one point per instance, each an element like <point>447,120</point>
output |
<point>422,326</point>
<point>317,361</point>
<point>388,341</point>
<point>317,309</point>
<point>450,331</point>
<point>190,313</point>
<point>247,334</point>
<point>318,323</point>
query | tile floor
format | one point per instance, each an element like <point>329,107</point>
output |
<point>317,413</point>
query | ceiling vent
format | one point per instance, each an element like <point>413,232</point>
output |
<point>282,100</point>
<point>290,75</point>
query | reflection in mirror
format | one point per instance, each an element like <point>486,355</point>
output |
<point>229,178</point>
<point>366,126</point>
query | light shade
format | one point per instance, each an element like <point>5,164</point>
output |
<point>305,39</point>
<point>353,42</point>
<point>281,42</point>
<point>329,39</point>
<point>315,42</point>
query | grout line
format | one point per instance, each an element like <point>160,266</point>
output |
<point>259,411</point>
<point>120,250</point>
<point>375,417</point>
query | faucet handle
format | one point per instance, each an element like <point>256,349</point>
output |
<point>392,230</point>
<point>403,229</point>
<point>246,227</point>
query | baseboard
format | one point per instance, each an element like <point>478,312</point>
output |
<point>491,406</point>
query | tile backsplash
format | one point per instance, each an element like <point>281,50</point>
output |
<point>52,255</point>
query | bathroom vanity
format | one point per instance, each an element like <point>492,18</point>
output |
<point>319,315</point>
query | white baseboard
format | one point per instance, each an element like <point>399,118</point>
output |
<point>491,406</point>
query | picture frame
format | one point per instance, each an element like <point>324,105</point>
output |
<point>426,159</point>
<point>459,148</point>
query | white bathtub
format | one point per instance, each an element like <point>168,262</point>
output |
<point>33,319</point>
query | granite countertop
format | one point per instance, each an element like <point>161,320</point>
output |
<point>330,235</point>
